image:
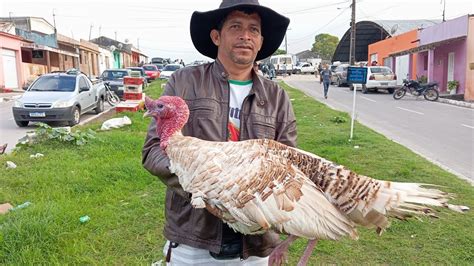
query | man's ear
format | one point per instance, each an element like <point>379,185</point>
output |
<point>215,37</point>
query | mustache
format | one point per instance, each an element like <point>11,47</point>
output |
<point>244,45</point>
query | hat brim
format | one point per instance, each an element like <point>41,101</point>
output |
<point>274,27</point>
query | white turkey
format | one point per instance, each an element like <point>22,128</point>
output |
<point>258,185</point>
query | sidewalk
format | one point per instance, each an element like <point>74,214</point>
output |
<point>9,96</point>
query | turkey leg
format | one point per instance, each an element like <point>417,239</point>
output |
<point>279,254</point>
<point>307,252</point>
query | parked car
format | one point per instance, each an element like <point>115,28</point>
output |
<point>59,96</point>
<point>169,69</point>
<point>142,74</point>
<point>152,71</point>
<point>305,67</point>
<point>159,66</point>
<point>114,77</point>
<point>379,77</point>
<point>339,75</point>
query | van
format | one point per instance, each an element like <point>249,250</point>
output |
<point>283,62</point>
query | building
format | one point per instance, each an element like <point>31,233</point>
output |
<point>69,57</point>
<point>402,65</point>
<point>89,58</point>
<point>445,52</point>
<point>11,71</point>
<point>121,56</point>
<point>106,59</point>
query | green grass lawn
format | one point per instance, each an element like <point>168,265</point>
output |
<point>104,179</point>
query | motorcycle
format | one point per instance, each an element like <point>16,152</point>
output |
<point>429,90</point>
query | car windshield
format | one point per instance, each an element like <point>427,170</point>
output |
<point>380,70</point>
<point>112,74</point>
<point>159,66</point>
<point>171,68</point>
<point>149,68</point>
<point>54,83</point>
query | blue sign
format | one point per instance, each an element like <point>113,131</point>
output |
<point>357,75</point>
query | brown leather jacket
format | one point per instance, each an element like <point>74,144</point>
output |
<point>266,113</point>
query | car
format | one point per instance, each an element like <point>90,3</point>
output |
<point>152,71</point>
<point>339,75</point>
<point>169,69</point>
<point>159,66</point>
<point>305,68</point>
<point>142,74</point>
<point>379,77</point>
<point>114,77</point>
<point>60,96</point>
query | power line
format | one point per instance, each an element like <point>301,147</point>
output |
<point>312,8</point>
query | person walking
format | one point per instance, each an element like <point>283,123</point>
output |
<point>326,75</point>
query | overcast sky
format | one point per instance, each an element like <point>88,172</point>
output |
<point>162,27</point>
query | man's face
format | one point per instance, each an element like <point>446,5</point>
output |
<point>240,38</point>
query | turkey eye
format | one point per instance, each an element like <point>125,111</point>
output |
<point>159,106</point>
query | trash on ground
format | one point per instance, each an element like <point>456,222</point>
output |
<point>157,263</point>
<point>11,165</point>
<point>5,207</point>
<point>37,155</point>
<point>84,219</point>
<point>116,123</point>
<point>21,206</point>
<point>356,147</point>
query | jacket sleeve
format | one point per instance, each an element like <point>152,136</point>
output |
<point>286,131</point>
<point>155,160</point>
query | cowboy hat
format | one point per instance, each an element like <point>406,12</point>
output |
<point>274,27</point>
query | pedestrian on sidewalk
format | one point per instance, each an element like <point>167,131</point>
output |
<point>326,77</point>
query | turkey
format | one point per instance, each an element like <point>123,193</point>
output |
<point>258,185</point>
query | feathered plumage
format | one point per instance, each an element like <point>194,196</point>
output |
<point>259,185</point>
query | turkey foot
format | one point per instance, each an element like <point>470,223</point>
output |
<point>307,252</point>
<point>279,254</point>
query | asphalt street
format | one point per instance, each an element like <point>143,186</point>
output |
<point>440,132</point>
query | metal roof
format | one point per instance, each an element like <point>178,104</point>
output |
<point>368,32</point>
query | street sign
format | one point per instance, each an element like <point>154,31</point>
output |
<point>357,75</point>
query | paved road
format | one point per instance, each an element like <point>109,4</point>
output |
<point>10,132</point>
<point>440,132</point>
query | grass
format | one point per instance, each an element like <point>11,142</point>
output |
<point>105,180</point>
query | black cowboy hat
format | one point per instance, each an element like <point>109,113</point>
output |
<point>274,27</point>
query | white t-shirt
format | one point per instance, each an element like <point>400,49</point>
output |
<point>238,91</point>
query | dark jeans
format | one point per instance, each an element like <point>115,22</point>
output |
<point>326,87</point>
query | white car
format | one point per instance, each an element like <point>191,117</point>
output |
<point>168,70</point>
<point>304,68</point>
<point>378,77</point>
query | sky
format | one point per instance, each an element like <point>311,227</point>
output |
<point>161,28</point>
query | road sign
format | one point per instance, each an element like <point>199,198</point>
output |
<point>357,75</point>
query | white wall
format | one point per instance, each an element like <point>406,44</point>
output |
<point>103,56</point>
<point>42,26</point>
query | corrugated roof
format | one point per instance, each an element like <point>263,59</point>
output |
<point>396,27</point>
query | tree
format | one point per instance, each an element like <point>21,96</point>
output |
<point>324,45</point>
<point>279,51</point>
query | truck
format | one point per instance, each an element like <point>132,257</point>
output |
<point>59,96</point>
<point>283,63</point>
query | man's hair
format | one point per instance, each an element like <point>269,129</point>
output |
<point>246,10</point>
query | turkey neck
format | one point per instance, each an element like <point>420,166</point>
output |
<point>166,128</point>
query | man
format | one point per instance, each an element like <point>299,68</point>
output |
<point>326,75</point>
<point>228,102</point>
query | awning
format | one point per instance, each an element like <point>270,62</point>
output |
<point>47,48</point>
<point>426,47</point>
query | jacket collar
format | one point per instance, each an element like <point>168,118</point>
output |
<point>257,88</point>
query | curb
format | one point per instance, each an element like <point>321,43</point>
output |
<point>457,103</point>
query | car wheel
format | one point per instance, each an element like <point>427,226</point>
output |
<point>76,117</point>
<point>22,123</point>
<point>391,90</point>
<point>100,106</point>
<point>364,89</point>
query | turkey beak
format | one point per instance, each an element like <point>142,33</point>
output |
<point>147,114</point>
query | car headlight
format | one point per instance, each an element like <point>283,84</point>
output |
<point>17,104</point>
<point>62,104</point>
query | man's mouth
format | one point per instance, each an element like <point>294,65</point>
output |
<point>243,46</point>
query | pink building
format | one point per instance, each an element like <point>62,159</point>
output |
<point>11,72</point>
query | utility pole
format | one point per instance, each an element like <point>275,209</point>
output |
<point>352,62</point>
<point>115,35</point>
<point>90,31</point>
<point>286,41</point>
<point>100,30</point>
<point>444,10</point>
<point>353,35</point>
<point>54,19</point>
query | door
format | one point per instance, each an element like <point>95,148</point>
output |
<point>86,99</point>
<point>402,68</point>
<point>450,66</point>
<point>9,69</point>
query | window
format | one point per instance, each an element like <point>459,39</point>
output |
<point>54,83</point>
<point>83,83</point>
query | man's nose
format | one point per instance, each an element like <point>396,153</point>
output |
<point>245,35</point>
